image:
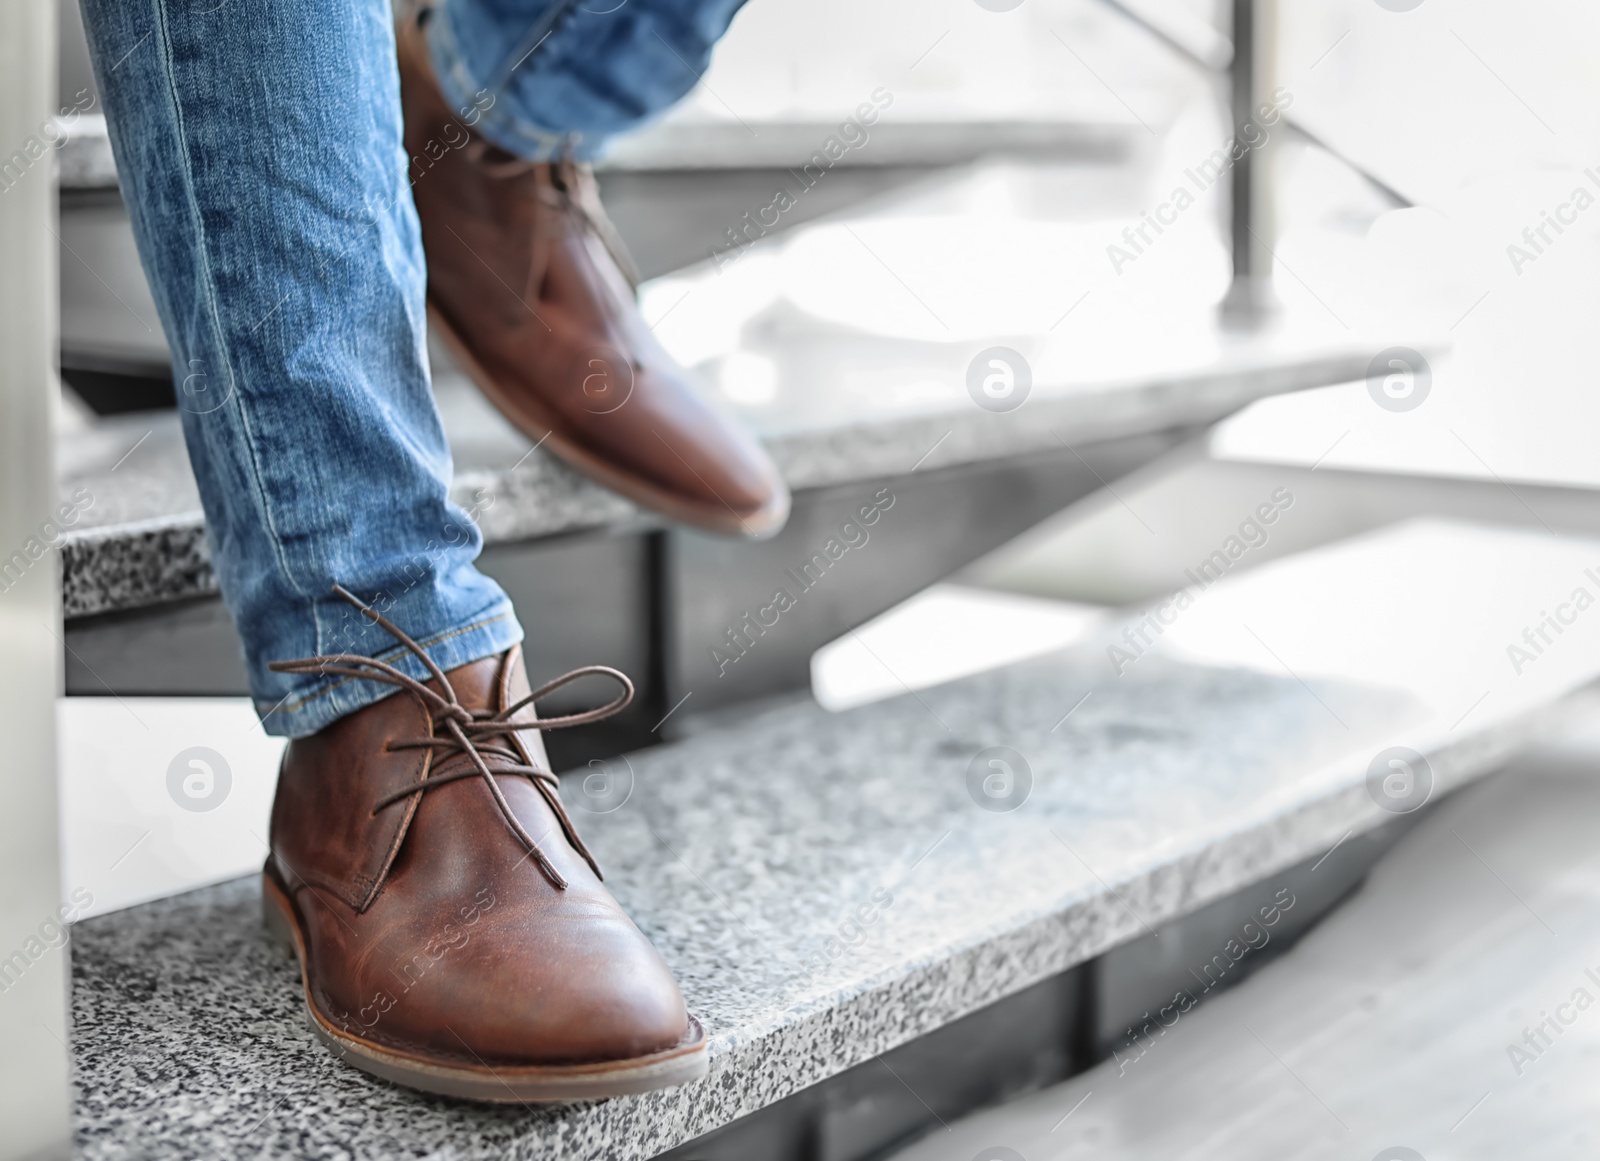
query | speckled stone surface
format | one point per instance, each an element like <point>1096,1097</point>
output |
<point>132,565</point>
<point>824,886</point>
<point>141,539</point>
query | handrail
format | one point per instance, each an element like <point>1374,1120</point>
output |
<point>1218,60</point>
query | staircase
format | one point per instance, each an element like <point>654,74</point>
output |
<point>878,935</point>
<point>856,914</point>
<point>935,924</point>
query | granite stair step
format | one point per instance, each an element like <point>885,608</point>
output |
<point>831,887</point>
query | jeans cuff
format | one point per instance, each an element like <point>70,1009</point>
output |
<point>324,701</point>
<point>498,124</point>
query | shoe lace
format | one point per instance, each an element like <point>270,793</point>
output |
<point>568,192</point>
<point>477,734</point>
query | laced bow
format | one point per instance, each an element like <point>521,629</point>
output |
<point>476,734</point>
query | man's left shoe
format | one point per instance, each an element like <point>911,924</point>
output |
<point>452,930</point>
<point>526,286</point>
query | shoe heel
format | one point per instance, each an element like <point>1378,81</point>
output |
<point>274,919</point>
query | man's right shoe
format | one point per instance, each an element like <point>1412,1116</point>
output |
<point>526,286</point>
<point>452,931</point>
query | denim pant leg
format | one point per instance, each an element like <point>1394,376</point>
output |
<point>567,75</point>
<point>259,148</point>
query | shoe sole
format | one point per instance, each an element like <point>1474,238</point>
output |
<point>759,525</point>
<point>502,1084</point>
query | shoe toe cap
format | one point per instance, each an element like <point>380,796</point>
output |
<point>589,988</point>
<point>708,460</point>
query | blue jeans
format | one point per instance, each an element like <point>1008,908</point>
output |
<point>259,148</point>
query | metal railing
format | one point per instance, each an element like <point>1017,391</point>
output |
<point>1246,62</point>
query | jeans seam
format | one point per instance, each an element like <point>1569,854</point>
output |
<point>219,333</point>
<point>326,690</point>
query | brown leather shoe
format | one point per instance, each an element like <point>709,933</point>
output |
<point>526,287</point>
<point>452,931</point>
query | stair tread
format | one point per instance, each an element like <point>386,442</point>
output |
<point>751,851</point>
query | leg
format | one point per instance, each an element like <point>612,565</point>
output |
<point>259,147</point>
<point>567,75</point>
